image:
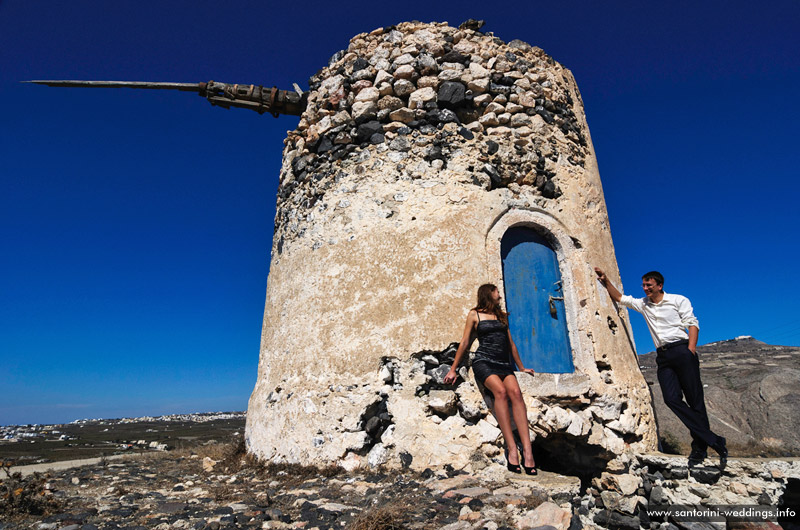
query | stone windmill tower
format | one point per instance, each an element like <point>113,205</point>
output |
<point>428,160</point>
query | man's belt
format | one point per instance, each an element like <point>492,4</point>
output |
<point>667,346</point>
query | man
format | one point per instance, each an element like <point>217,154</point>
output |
<point>668,318</point>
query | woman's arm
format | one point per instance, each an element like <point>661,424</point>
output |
<point>515,355</point>
<point>466,341</point>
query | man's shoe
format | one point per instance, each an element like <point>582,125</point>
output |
<point>722,450</point>
<point>696,458</point>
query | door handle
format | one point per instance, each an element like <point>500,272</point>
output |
<point>552,301</point>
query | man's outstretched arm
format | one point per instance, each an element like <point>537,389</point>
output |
<point>612,291</point>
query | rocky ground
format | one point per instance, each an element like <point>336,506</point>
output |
<point>213,488</point>
<point>752,392</point>
<point>191,491</point>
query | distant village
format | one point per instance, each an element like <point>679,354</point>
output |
<point>35,432</point>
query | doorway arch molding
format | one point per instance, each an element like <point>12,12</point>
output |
<point>568,256</point>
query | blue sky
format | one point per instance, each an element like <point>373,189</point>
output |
<point>136,226</point>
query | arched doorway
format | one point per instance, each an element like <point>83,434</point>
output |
<point>535,301</point>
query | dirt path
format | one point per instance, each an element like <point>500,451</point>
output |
<point>68,464</point>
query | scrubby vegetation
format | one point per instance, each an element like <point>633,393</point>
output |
<point>22,496</point>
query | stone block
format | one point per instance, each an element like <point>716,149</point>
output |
<point>405,71</point>
<point>421,96</point>
<point>611,519</point>
<point>546,514</point>
<point>364,111</point>
<point>368,94</point>
<point>442,401</point>
<point>487,432</point>
<point>377,455</point>
<point>403,87</point>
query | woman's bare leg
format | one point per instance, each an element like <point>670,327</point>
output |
<point>520,413</point>
<point>498,389</point>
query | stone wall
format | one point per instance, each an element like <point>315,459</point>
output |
<point>421,145</point>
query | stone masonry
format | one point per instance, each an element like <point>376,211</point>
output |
<point>420,146</point>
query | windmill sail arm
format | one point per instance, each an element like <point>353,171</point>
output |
<point>254,97</point>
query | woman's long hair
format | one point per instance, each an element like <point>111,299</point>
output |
<point>487,305</point>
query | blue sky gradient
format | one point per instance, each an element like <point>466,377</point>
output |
<point>136,226</point>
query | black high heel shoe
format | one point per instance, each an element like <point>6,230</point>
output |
<point>528,470</point>
<point>514,468</point>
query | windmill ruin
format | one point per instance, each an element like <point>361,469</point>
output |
<point>428,160</point>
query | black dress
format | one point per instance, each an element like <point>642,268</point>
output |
<point>493,356</point>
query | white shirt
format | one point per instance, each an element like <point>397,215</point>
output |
<point>666,320</point>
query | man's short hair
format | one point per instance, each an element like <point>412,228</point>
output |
<point>654,275</point>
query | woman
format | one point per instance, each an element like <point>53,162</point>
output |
<point>492,366</point>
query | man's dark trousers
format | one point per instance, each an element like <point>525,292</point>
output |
<point>679,377</point>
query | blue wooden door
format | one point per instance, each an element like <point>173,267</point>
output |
<point>535,301</point>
